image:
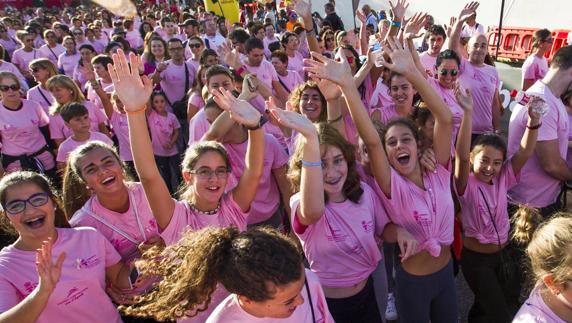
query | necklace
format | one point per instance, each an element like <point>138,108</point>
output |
<point>215,211</point>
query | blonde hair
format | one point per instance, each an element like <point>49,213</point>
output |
<point>45,64</point>
<point>9,75</point>
<point>66,82</point>
<point>550,250</point>
<point>524,222</point>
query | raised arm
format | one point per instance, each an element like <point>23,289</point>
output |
<point>340,73</point>
<point>398,11</point>
<point>463,149</point>
<point>246,115</point>
<point>528,141</point>
<point>455,38</point>
<point>134,91</point>
<point>304,9</point>
<point>312,203</point>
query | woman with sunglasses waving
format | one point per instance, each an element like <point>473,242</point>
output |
<point>205,166</point>
<point>53,273</point>
<point>418,200</point>
<point>23,130</point>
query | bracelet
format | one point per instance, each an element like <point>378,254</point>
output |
<point>309,31</point>
<point>534,127</point>
<point>241,70</point>
<point>132,113</point>
<point>261,123</point>
<point>396,24</point>
<point>311,164</point>
<point>335,120</point>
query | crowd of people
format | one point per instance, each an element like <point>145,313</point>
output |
<point>174,166</point>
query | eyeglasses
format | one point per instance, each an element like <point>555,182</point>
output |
<point>176,48</point>
<point>196,45</point>
<point>444,72</point>
<point>36,200</point>
<point>78,33</point>
<point>13,87</point>
<point>205,173</point>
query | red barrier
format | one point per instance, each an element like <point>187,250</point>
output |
<point>516,42</point>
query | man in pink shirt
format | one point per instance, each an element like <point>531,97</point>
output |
<point>546,169</point>
<point>436,40</point>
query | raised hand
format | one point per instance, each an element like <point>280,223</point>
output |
<point>294,121</point>
<point>449,29</point>
<point>329,90</point>
<point>87,71</point>
<point>401,59</point>
<point>162,66</point>
<point>399,9</point>
<point>133,90</point>
<point>230,56</point>
<point>325,68</point>
<point>303,8</point>
<point>464,97</point>
<point>468,11</point>
<point>414,25</point>
<point>249,87</point>
<point>361,17</point>
<point>534,114</point>
<point>48,272</point>
<point>240,110</point>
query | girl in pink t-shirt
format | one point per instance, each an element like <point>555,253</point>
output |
<point>263,289</point>
<point>42,69</point>
<point>483,197</point>
<point>340,228</point>
<point>535,66</point>
<point>53,273</point>
<point>205,168</point>
<point>196,101</point>
<point>164,130</point>
<point>418,200</point>
<point>549,253</point>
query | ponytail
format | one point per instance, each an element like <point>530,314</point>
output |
<point>244,263</point>
<point>75,193</point>
<point>525,221</point>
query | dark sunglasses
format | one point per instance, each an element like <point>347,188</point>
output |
<point>78,34</point>
<point>13,87</point>
<point>349,59</point>
<point>444,72</point>
<point>194,45</point>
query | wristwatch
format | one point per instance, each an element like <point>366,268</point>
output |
<point>261,122</point>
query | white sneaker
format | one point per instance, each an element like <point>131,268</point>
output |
<point>391,310</point>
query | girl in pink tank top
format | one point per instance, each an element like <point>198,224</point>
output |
<point>483,197</point>
<point>418,200</point>
<point>53,273</point>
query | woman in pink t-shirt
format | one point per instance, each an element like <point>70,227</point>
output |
<point>42,69</point>
<point>65,90</point>
<point>87,53</point>
<point>341,227</point>
<point>24,133</point>
<point>483,197</point>
<point>418,200</point>
<point>68,59</point>
<point>535,66</point>
<point>196,101</point>
<point>550,264</point>
<point>23,56</point>
<point>155,53</point>
<point>263,289</point>
<point>53,273</point>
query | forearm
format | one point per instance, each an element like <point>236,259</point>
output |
<point>416,58</point>
<point>360,116</point>
<point>497,112</point>
<point>219,127</point>
<point>363,38</point>
<point>105,101</point>
<point>313,44</point>
<point>312,203</point>
<point>141,147</point>
<point>455,38</point>
<point>362,73</point>
<point>558,169</point>
<point>28,310</point>
<point>174,136</point>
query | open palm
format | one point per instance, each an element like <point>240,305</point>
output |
<point>240,110</point>
<point>48,272</point>
<point>401,59</point>
<point>133,90</point>
<point>294,121</point>
<point>323,67</point>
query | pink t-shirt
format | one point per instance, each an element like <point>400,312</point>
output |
<point>198,126</point>
<point>162,128</point>
<point>121,130</point>
<point>267,199</point>
<point>448,96</point>
<point>534,68</point>
<point>291,81</point>
<point>479,198</point>
<point>296,63</point>
<point>342,247</point>
<point>197,100</point>
<point>58,129</point>
<point>484,82</point>
<point>380,97</point>
<point>231,311</point>
<point>536,188</point>
<point>267,41</point>
<point>265,72</point>
<point>535,310</point>
<point>9,67</point>
<point>22,58</point>
<point>429,63</point>
<point>185,218</point>
<point>80,294</point>
<point>41,96</point>
<point>173,81</point>
<point>10,45</point>
<point>569,155</point>
<point>52,53</point>
<point>20,129</point>
<point>388,113</point>
<point>427,214</point>
<point>70,144</point>
<point>67,63</point>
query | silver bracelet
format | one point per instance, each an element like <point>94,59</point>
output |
<point>311,164</point>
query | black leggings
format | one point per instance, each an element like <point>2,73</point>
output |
<point>362,307</point>
<point>481,271</point>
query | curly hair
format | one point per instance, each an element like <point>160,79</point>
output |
<point>328,136</point>
<point>249,264</point>
<point>296,96</point>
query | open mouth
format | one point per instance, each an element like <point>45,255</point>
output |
<point>35,222</point>
<point>213,188</point>
<point>333,181</point>
<point>108,181</point>
<point>403,158</point>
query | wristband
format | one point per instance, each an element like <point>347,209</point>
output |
<point>132,113</point>
<point>261,122</point>
<point>241,70</point>
<point>311,164</point>
<point>534,127</point>
<point>396,24</point>
<point>336,119</point>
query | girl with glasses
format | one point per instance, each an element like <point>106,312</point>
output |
<point>52,272</point>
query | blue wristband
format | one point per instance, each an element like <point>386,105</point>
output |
<point>311,164</point>
<point>396,24</point>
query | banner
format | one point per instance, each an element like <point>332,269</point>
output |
<point>226,8</point>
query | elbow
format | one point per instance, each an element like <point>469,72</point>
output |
<point>309,216</point>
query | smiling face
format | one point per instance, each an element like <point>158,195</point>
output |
<point>401,149</point>
<point>447,73</point>
<point>401,92</point>
<point>311,104</point>
<point>208,190</point>
<point>10,91</point>
<point>34,223</point>
<point>487,163</point>
<point>335,171</point>
<point>157,48</point>
<point>477,49</point>
<point>101,171</point>
<point>61,94</point>
<point>435,44</point>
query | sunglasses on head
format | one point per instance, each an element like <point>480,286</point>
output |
<point>13,87</point>
<point>350,59</point>
<point>444,72</point>
<point>197,45</point>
